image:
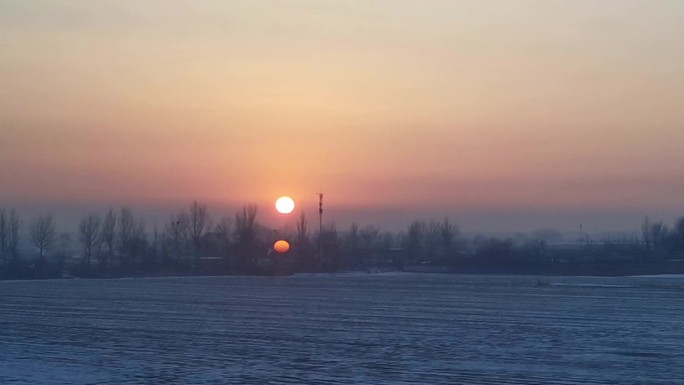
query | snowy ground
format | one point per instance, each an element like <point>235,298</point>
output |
<point>344,329</point>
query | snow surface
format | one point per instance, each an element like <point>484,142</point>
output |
<point>343,329</point>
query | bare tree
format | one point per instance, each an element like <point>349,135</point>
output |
<point>177,233</point>
<point>43,234</point>
<point>653,233</point>
<point>89,230</point>
<point>301,245</point>
<point>678,234</point>
<point>302,231</point>
<point>3,236</point>
<point>138,247</point>
<point>646,232</point>
<point>415,239</point>
<point>448,231</point>
<point>131,236</point>
<point>107,236</point>
<point>387,240</point>
<point>353,239</point>
<point>124,228</point>
<point>200,221</point>
<point>432,239</point>
<point>351,246</point>
<point>155,240</point>
<point>245,225</point>
<point>223,232</point>
<point>13,227</point>
<point>246,234</point>
<point>658,234</point>
<point>329,247</point>
<point>369,237</point>
<point>223,228</point>
<point>679,228</point>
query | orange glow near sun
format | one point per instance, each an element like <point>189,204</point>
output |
<point>284,205</point>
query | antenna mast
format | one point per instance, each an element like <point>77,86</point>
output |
<point>320,224</point>
<point>320,212</point>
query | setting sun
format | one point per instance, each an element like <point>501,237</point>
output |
<point>281,246</point>
<point>284,205</point>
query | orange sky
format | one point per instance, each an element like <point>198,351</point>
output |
<point>414,107</point>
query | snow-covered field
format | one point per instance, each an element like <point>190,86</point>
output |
<point>344,329</point>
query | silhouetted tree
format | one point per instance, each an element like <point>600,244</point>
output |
<point>351,245</point>
<point>13,229</point>
<point>245,229</point>
<point>387,240</point>
<point>495,251</point>
<point>646,232</point>
<point>155,242</point>
<point>653,233</point>
<point>679,227</point>
<point>658,234</point>
<point>3,237</point>
<point>678,234</point>
<point>89,230</point>
<point>448,232</point>
<point>177,233</point>
<point>108,234</point>
<point>223,233</point>
<point>246,233</point>
<point>124,234</point>
<point>302,248</point>
<point>200,222</point>
<point>223,227</point>
<point>414,240</point>
<point>329,247</point>
<point>131,236</point>
<point>548,235</point>
<point>43,234</point>
<point>353,240</point>
<point>433,240</point>
<point>369,237</point>
<point>302,231</point>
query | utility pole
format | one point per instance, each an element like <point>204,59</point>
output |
<point>320,212</point>
<point>320,224</point>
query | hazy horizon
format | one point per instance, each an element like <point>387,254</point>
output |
<point>504,116</point>
<point>492,221</point>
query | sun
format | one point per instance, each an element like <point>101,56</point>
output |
<point>284,205</point>
<point>281,246</point>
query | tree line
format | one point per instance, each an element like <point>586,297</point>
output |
<point>193,241</point>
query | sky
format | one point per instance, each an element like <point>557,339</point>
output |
<point>504,115</point>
